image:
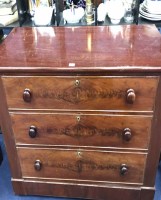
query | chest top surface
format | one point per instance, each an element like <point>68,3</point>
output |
<point>115,48</point>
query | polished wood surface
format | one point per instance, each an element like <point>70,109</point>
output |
<point>87,191</point>
<point>102,48</point>
<point>155,144</point>
<point>91,93</point>
<point>6,128</point>
<point>82,165</point>
<point>82,129</point>
<point>80,110</point>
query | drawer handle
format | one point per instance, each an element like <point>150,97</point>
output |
<point>127,134</point>
<point>32,131</point>
<point>27,95</point>
<point>38,165</point>
<point>131,96</point>
<point>123,169</point>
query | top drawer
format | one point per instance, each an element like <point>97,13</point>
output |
<point>81,93</point>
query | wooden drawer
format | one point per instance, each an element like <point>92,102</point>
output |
<point>89,93</point>
<point>82,165</point>
<point>128,131</point>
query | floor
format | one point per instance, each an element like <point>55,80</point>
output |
<point>6,191</point>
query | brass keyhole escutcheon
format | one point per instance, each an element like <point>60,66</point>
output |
<point>77,82</point>
<point>78,118</point>
<point>79,154</point>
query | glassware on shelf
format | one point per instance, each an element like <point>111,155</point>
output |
<point>115,10</point>
<point>101,12</point>
<point>73,15</point>
<point>129,10</point>
<point>89,13</point>
<point>39,8</point>
<point>46,12</point>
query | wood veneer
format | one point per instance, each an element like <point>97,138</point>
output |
<point>91,93</point>
<point>82,165</point>
<point>58,81</point>
<point>90,130</point>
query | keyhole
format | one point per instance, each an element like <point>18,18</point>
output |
<point>77,82</point>
<point>78,118</point>
<point>79,154</point>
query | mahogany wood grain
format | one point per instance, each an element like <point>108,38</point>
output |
<point>155,144</point>
<point>128,48</point>
<point>9,140</point>
<point>96,72</point>
<point>82,165</point>
<point>90,130</point>
<point>92,93</point>
<point>84,191</point>
<point>18,186</point>
<point>147,193</point>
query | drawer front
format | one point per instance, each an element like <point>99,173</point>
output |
<point>126,131</point>
<point>82,165</point>
<point>89,93</point>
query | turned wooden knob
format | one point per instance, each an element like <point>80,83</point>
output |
<point>130,96</point>
<point>37,165</point>
<point>127,134</point>
<point>32,131</point>
<point>27,95</point>
<point>123,169</point>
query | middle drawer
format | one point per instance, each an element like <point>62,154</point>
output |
<point>127,131</point>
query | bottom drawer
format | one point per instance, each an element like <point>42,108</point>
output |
<point>82,164</point>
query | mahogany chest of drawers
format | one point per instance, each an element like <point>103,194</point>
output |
<point>80,110</point>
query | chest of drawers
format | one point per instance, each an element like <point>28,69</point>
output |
<point>80,111</point>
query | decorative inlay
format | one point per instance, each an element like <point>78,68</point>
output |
<point>84,165</point>
<point>80,130</point>
<point>77,94</point>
